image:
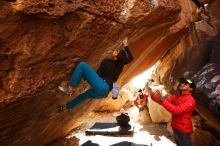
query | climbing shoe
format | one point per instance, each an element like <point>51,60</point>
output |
<point>65,89</point>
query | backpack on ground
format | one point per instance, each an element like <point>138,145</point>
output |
<point>123,119</point>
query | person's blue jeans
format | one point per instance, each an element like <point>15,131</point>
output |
<point>182,139</point>
<point>99,87</point>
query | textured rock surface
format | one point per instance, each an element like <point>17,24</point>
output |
<point>73,141</point>
<point>41,42</point>
<point>197,57</point>
<point>201,135</point>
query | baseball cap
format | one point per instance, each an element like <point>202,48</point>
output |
<point>189,82</point>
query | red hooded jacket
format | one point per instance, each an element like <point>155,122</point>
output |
<point>181,108</point>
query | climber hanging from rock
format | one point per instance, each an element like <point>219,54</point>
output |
<point>101,82</point>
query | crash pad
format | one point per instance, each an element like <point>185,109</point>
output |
<point>110,129</point>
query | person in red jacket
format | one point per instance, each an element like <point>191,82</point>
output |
<point>181,106</point>
<point>140,100</point>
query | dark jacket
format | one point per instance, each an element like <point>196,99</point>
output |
<point>110,69</point>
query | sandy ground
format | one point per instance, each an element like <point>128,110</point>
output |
<point>146,133</point>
